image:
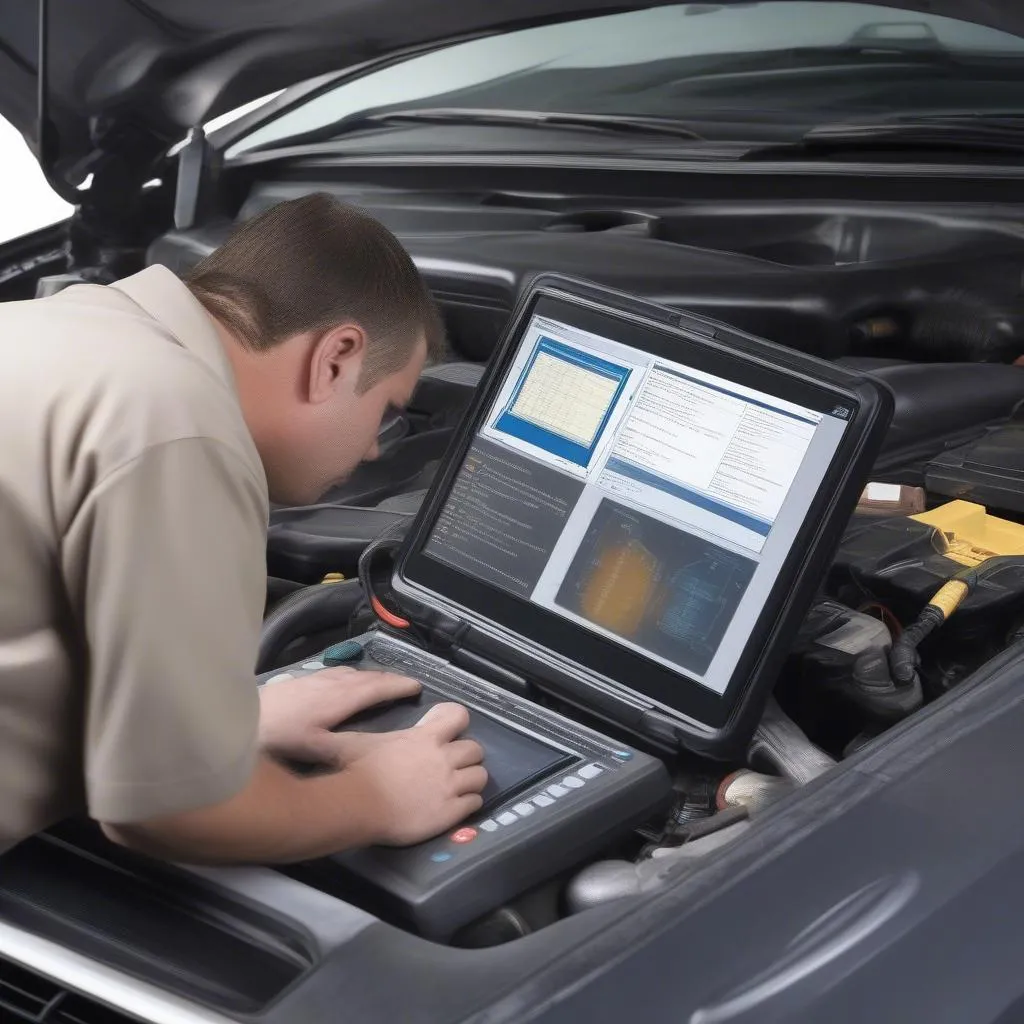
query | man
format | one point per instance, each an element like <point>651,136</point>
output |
<point>145,426</point>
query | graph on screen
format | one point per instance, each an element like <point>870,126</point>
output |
<point>565,398</point>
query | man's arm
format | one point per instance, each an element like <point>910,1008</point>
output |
<point>405,787</point>
<point>276,819</point>
<point>166,560</point>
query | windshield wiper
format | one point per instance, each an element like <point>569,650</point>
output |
<point>1003,133</point>
<point>637,125</point>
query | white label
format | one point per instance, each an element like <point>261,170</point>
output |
<point>883,492</point>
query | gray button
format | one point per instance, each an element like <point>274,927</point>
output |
<point>543,801</point>
<point>313,666</point>
<point>523,810</point>
<point>557,791</point>
<point>279,678</point>
<point>490,825</point>
<point>572,782</point>
<point>508,818</point>
<point>590,771</point>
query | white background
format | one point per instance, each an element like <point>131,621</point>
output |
<point>26,200</point>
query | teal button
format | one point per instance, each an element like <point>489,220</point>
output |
<point>344,653</point>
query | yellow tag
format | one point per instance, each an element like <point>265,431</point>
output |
<point>333,577</point>
<point>969,535</point>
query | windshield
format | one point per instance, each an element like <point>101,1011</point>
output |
<point>789,62</point>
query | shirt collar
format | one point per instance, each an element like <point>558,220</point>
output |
<point>164,296</point>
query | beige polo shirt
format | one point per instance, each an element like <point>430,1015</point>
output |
<point>133,513</point>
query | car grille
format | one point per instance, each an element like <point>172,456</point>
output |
<point>27,996</point>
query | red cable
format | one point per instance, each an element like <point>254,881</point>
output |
<point>885,615</point>
<point>385,616</point>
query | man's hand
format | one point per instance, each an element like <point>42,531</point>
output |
<point>297,715</point>
<point>395,788</point>
<point>420,781</point>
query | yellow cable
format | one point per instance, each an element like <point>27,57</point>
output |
<point>948,597</point>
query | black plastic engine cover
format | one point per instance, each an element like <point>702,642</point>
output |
<point>940,406</point>
<point>898,563</point>
<point>988,471</point>
<point>829,278</point>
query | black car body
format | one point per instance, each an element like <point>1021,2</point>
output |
<point>843,178</point>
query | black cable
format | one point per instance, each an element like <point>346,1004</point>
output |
<point>390,539</point>
<point>904,658</point>
<point>702,827</point>
<point>278,589</point>
<point>312,610</point>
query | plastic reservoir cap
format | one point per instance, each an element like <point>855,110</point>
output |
<point>343,653</point>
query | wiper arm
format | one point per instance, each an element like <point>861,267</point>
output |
<point>639,125</point>
<point>992,133</point>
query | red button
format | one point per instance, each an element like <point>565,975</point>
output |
<point>463,835</point>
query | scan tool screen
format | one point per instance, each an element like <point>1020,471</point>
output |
<point>646,500</point>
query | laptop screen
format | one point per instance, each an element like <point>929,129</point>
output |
<point>639,491</point>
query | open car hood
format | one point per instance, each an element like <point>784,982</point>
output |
<point>80,79</point>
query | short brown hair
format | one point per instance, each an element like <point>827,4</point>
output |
<point>310,264</point>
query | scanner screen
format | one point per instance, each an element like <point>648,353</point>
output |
<point>513,759</point>
<point>641,499</point>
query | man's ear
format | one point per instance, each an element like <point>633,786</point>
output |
<point>335,361</point>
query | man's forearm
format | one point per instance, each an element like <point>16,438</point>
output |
<point>278,818</point>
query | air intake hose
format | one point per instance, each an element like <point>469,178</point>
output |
<point>751,790</point>
<point>780,741</point>
<point>609,880</point>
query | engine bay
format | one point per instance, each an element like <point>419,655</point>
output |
<point>835,695</point>
<point>927,298</point>
<point>900,296</point>
<point>807,832</point>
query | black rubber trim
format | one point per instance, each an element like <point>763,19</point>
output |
<point>204,949</point>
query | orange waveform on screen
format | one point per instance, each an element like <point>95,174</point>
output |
<point>619,587</point>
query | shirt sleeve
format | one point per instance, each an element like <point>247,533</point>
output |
<point>166,564</point>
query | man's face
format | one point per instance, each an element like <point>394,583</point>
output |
<point>323,429</point>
